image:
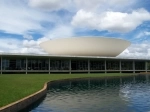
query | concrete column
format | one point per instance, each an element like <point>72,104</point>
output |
<point>146,66</point>
<point>49,65</point>
<point>70,66</point>
<point>88,66</point>
<point>26,65</point>
<point>120,66</point>
<point>105,67</point>
<point>1,64</point>
<point>133,66</point>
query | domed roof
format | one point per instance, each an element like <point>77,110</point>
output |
<point>85,46</point>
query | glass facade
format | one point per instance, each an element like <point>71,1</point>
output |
<point>139,65</point>
<point>79,65</point>
<point>97,65</point>
<point>126,65</point>
<point>59,65</point>
<point>13,64</point>
<point>38,64</point>
<point>41,63</point>
<point>112,65</point>
<point>148,65</point>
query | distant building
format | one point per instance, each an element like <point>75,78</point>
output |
<point>75,55</point>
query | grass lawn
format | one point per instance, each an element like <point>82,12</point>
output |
<point>16,86</point>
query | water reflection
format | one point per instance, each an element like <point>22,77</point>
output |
<point>128,94</point>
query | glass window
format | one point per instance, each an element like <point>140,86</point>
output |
<point>139,65</point>
<point>126,65</point>
<point>13,64</point>
<point>148,65</point>
<point>112,65</point>
<point>38,64</point>
<point>79,65</point>
<point>97,65</point>
<point>59,65</point>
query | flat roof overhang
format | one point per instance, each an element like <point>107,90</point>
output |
<point>66,56</point>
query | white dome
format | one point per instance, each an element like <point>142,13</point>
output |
<point>85,46</point>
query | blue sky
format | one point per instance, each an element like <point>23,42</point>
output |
<point>26,23</point>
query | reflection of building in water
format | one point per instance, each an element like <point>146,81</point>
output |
<point>86,95</point>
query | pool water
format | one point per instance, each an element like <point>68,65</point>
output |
<point>128,94</point>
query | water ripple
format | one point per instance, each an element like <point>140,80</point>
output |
<point>126,96</point>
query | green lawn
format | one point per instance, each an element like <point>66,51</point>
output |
<point>16,86</point>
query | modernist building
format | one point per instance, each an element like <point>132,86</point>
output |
<point>75,55</point>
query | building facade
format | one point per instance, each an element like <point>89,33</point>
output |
<point>19,63</point>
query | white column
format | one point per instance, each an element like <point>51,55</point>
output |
<point>49,65</point>
<point>88,66</point>
<point>26,65</point>
<point>105,67</point>
<point>1,64</point>
<point>120,66</point>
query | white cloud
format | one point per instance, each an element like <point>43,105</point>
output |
<point>42,39</point>
<point>54,5</point>
<point>29,43</point>
<point>31,46</point>
<point>29,37</point>
<point>17,18</point>
<point>9,43</point>
<point>61,31</point>
<point>102,5</point>
<point>50,5</point>
<point>75,5</point>
<point>147,33</point>
<point>137,51</point>
<point>111,21</point>
<point>139,35</point>
<point>12,45</point>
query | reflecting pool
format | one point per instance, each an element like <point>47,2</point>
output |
<point>128,94</point>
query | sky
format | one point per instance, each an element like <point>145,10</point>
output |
<point>24,24</point>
